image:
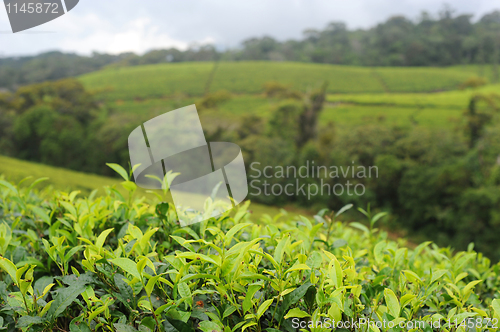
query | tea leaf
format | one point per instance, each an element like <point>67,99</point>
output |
<point>293,298</point>
<point>247,303</point>
<point>263,307</point>
<point>127,265</point>
<point>150,285</point>
<point>495,304</point>
<point>41,213</point>
<point>392,302</point>
<point>9,186</point>
<point>296,312</point>
<point>100,240</point>
<point>378,251</point>
<point>280,249</point>
<point>184,290</point>
<point>235,229</point>
<point>77,325</point>
<point>64,298</point>
<point>407,298</point>
<point>343,209</point>
<point>437,275</point>
<point>8,267</point>
<point>124,327</point>
<point>26,321</point>
<point>118,169</point>
<point>208,326</point>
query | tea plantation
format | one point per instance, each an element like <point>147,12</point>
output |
<point>357,95</point>
<point>165,80</point>
<point>119,262</point>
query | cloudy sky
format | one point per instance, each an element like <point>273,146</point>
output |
<point>116,26</point>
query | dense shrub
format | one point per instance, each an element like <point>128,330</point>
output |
<point>62,124</point>
<point>213,100</point>
<point>117,263</point>
<point>473,82</point>
<point>274,89</point>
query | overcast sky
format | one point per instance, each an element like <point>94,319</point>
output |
<point>116,26</point>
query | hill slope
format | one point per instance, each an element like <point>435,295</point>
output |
<point>156,81</point>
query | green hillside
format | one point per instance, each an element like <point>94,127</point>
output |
<point>429,109</point>
<point>357,95</point>
<point>60,178</point>
<point>162,80</point>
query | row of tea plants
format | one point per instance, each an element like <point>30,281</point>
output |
<point>120,263</point>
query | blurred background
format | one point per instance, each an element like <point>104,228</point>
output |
<point>411,87</point>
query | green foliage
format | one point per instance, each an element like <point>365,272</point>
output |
<point>60,123</point>
<point>40,134</point>
<point>284,120</point>
<point>53,123</point>
<point>213,100</point>
<point>275,89</point>
<point>435,184</point>
<point>473,82</point>
<point>105,263</point>
<point>67,96</point>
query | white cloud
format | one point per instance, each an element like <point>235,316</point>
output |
<point>139,35</point>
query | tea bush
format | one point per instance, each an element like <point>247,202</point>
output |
<point>121,263</point>
<point>474,82</point>
<point>213,100</point>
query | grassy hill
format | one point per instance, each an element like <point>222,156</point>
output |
<point>156,81</point>
<point>15,170</point>
<point>357,95</point>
